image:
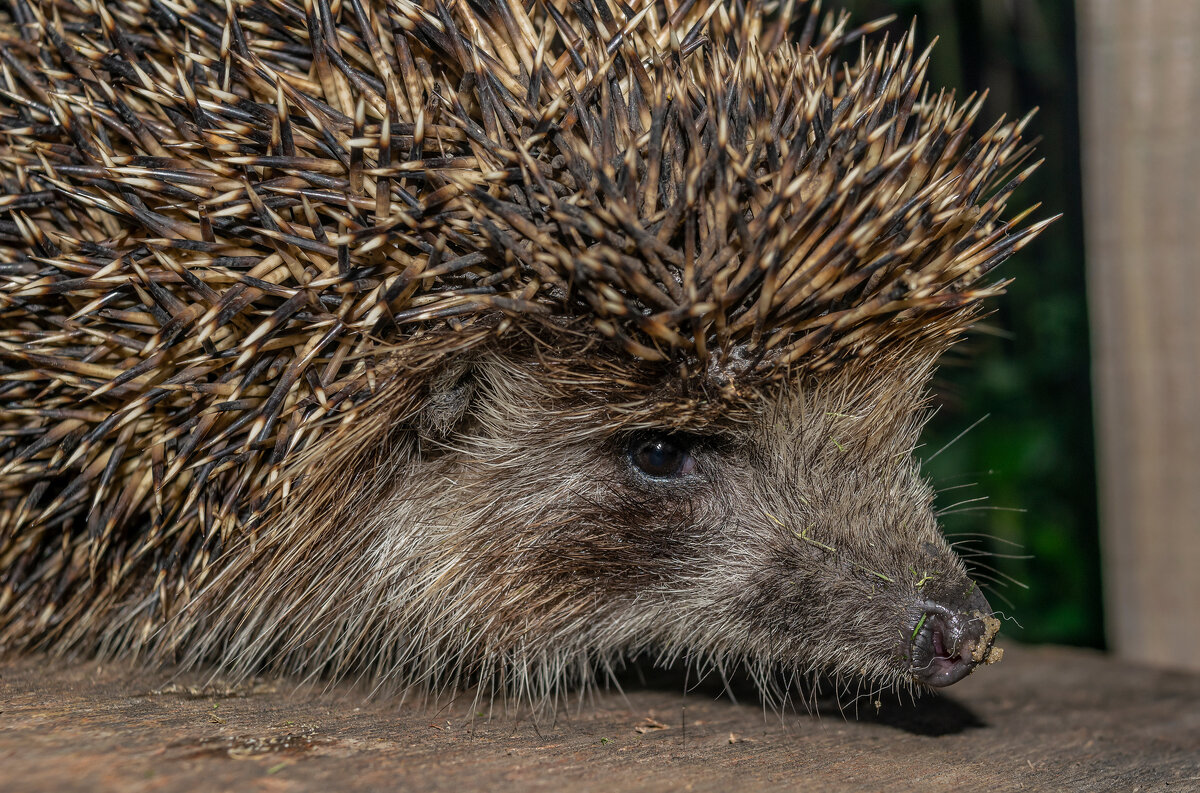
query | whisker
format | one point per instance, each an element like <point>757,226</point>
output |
<point>975,500</point>
<point>957,438</point>
<point>990,554</point>
<point>956,487</point>
<point>985,536</point>
<point>981,509</point>
<point>1000,573</point>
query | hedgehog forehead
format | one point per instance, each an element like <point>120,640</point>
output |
<point>613,393</point>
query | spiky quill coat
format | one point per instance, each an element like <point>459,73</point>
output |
<point>243,242</point>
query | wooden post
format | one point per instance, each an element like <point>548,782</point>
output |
<point>1140,81</point>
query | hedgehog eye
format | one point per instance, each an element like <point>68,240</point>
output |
<point>662,456</point>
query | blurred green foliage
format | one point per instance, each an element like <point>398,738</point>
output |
<point>1028,366</point>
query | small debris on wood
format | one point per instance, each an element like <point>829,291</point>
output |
<point>649,725</point>
<point>241,746</point>
<point>215,690</point>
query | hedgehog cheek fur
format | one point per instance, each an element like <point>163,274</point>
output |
<point>509,542</point>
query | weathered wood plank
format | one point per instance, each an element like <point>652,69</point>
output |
<point>1140,73</point>
<point>1043,719</point>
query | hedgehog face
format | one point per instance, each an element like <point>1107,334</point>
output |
<point>797,537</point>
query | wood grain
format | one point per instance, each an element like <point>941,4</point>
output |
<point>1068,721</point>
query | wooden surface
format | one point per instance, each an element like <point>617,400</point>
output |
<point>1140,80</point>
<point>1043,719</point>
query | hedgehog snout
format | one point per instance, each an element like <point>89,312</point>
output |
<point>948,639</point>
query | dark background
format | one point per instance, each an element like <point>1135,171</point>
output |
<point>1027,365</point>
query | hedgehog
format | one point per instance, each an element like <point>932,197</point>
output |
<point>483,343</point>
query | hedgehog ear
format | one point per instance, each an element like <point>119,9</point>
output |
<point>450,394</point>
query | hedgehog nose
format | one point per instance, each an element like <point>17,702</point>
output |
<point>948,642</point>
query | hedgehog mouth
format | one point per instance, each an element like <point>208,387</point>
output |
<point>945,666</point>
<point>946,646</point>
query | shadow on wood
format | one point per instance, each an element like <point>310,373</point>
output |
<point>931,714</point>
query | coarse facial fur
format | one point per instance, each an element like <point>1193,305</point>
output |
<point>508,539</point>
